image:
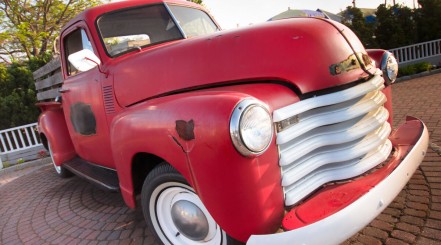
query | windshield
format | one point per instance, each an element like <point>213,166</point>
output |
<point>129,29</point>
<point>192,21</point>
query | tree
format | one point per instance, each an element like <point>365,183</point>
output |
<point>427,18</point>
<point>396,26</point>
<point>29,27</point>
<point>17,96</point>
<point>354,19</point>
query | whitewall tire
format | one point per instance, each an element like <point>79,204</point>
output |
<point>174,212</point>
<point>60,170</point>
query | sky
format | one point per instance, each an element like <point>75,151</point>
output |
<point>233,13</point>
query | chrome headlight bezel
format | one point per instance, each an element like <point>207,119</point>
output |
<point>389,66</point>
<point>238,138</point>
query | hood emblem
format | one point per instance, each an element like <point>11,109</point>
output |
<point>349,64</point>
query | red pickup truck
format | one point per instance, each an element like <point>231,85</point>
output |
<point>277,133</point>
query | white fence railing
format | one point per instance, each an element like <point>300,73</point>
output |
<point>416,52</point>
<point>18,139</point>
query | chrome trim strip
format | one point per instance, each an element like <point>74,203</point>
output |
<point>289,111</point>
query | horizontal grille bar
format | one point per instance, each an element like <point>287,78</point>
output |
<point>286,112</point>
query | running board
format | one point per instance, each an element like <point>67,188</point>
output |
<point>102,177</point>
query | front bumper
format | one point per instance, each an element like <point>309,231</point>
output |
<point>410,142</point>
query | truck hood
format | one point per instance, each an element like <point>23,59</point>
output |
<point>307,54</point>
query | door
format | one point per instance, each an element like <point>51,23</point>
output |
<point>83,102</point>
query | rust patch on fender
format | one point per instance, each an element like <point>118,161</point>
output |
<point>185,129</point>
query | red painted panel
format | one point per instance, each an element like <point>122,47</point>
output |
<point>51,123</point>
<point>377,55</point>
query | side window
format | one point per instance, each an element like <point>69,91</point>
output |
<point>194,22</point>
<point>74,42</point>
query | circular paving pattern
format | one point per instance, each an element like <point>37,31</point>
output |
<point>41,208</point>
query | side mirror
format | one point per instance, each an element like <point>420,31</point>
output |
<point>84,60</point>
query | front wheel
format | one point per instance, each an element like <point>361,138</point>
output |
<point>174,212</point>
<point>61,171</point>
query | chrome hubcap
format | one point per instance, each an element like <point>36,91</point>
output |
<point>179,217</point>
<point>190,220</point>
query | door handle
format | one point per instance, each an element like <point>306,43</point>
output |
<point>63,90</point>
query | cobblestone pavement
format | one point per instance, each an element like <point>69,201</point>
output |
<point>415,215</point>
<point>37,207</point>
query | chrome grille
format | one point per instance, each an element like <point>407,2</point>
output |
<point>336,136</point>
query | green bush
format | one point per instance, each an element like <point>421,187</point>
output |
<point>422,67</point>
<point>414,69</point>
<point>20,161</point>
<point>6,164</point>
<point>406,71</point>
<point>17,96</point>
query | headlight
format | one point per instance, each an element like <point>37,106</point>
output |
<point>251,127</point>
<point>389,66</point>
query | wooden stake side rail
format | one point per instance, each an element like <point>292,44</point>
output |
<point>48,80</point>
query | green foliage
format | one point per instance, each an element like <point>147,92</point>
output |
<point>395,26</point>
<point>422,67</point>
<point>355,20</point>
<point>406,71</point>
<point>6,164</point>
<point>414,69</point>
<point>17,96</point>
<point>196,1</point>
<point>29,27</point>
<point>20,161</point>
<point>428,20</point>
<point>34,63</point>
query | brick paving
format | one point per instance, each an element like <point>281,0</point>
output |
<point>41,208</point>
<point>415,215</point>
<point>37,207</point>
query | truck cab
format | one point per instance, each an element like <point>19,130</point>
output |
<point>275,133</point>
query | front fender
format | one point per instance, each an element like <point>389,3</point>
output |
<point>152,127</point>
<point>242,194</point>
<point>52,125</point>
<point>377,56</point>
